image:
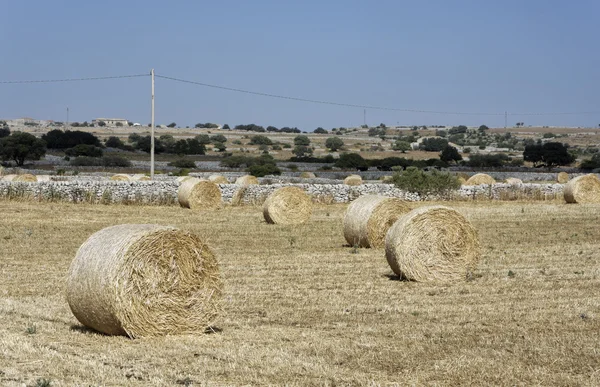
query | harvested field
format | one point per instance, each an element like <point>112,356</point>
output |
<point>300,308</point>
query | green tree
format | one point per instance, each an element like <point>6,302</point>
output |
<point>101,123</point>
<point>425,183</point>
<point>119,124</point>
<point>483,128</point>
<point>433,144</point>
<point>352,161</point>
<point>550,154</point>
<point>203,139</point>
<point>4,131</point>
<point>114,142</point>
<point>172,125</point>
<point>402,146</point>
<point>21,146</point>
<point>218,138</point>
<point>219,147</point>
<point>449,154</point>
<point>259,139</point>
<point>302,151</point>
<point>168,142</point>
<point>320,130</point>
<point>226,127</point>
<point>302,140</point>
<point>334,143</point>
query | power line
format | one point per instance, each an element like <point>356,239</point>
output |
<point>75,79</point>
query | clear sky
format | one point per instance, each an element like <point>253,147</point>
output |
<point>477,56</point>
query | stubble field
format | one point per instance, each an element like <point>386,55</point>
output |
<point>301,308</point>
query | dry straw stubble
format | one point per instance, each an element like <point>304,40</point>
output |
<point>197,194</point>
<point>583,189</point>
<point>287,205</point>
<point>514,181</point>
<point>307,175</point>
<point>369,217</point>
<point>26,177</point>
<point>120,177</point>
<point>433,243</point>
<point>562,177</point>
<point>246,180</point>
<point>140,177</point>
<point>218,179</point>
<point>480,178</point>
<point>353,180</point>
<point>144,280</point>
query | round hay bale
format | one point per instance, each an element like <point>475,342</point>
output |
<point>514,181</point>
<point>462,180</point>
<point>42,178</point>
<point>26,177</point>
<point>140,177</point>
<point>287,205</point>
<point>307,175</point>
<point>218,179</point>
<point>353,180</point>
<point>480,178</point>
<point>144,280</point>
<point>583,189</point>
<point>562,177</point>
<point>369,217</point>
<point>8,177</point>
<point>246,180</point>
<point>181,179</point>
<point>120,177</point>
<point>197,194</point>
<point>238,196</point>
<point>433,243</point>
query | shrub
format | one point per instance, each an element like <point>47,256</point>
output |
<point>259,139</point>
<point>423,183</point>
<point>482,161</point>
<point>352,161</point>
<point>183,163</point>
<point>263,170</point>
<point>114,142</point>
<point>57,139</point>
<point>433,144</point>
<point>115,161</point>
<point>84,150</point>
<point>292,167</point>
<point>86,161</point>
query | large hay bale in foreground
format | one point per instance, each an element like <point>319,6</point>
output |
<point>287,205</point>
<point>433,243</point>
<point>246,180</point>
<point>140,177</point>
<point>8,177</point>
<point>369,217</point>
<point>197,194</point>
<point>480,178</point>
<point>562,177</point>
<point>26,177</point>
<point>353,180</point>
<point>120,177</point>
<point>583,189</point>
<point>307,175</point>
<point>218,179</point>
<point>144,280</point>
<point>514,181</point>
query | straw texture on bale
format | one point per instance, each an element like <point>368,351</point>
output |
<point>181,179</point>
<point>218,179</point>
<point>562,177</point>
<point>353,180</point>
<point>25,177</point>
<point>369,217</point>
<point>514,181</point>
<point>140,177</point>
<point>43,178</point>
<point>238,196</point>
<point>480,178</point>
<point>120,177</point>
<point>583,189</point>
<point>287,205</point>
<point>462,180</point>
<point>9,177</point>
<point>433,243</point>
<point>307,175</point>
<point>144,280</point>
<point>246,180</point>
<point>197,194</point>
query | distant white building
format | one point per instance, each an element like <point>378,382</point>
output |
<point>110,121</point>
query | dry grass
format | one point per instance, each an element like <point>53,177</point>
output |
<point>302,309</point>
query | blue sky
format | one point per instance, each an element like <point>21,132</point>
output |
<point>464,56</point>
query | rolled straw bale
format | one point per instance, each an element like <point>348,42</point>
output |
<point>433,243</point>
<point>238,196</point>
<point>353,180</point>
<point>583,189</point>
<point>287,205</point>
<point>181,179</point>
<point>218,179</point>
<point>120,177</point>
<point>307,175</point>
<point>462,180</point>
<point>27,177</point>
<point>246,180</point>
<point>480,178</point>
<point>198,194</point>
<point>562,177</point>
<point>514,181</point>
<point>8,177</point>
<point>369,217</point>
<point>140,177</point>
<point>144,280</point>
<point>41,178</point>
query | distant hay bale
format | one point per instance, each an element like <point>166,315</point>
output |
<point>26,177</point>
<point>144,280</point>
<point>140,177</point>
<point>238,196</point>
<point>307,175</point>
<point>181,179</point>
<point>353,180</point>
<point>369,217</point>
<point>8,177</point>
<point>462,180</point>
<point>218,179</point>
<point>562,177</point>
<point>287,205</point>
<point>583,189</point>
<point>246,180</point>
<point>514,181</point>
<point>480,178</point>
<point>433,243</point>
<point>120,177</point>
<point>42,178</point>
<point>199,194</point>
